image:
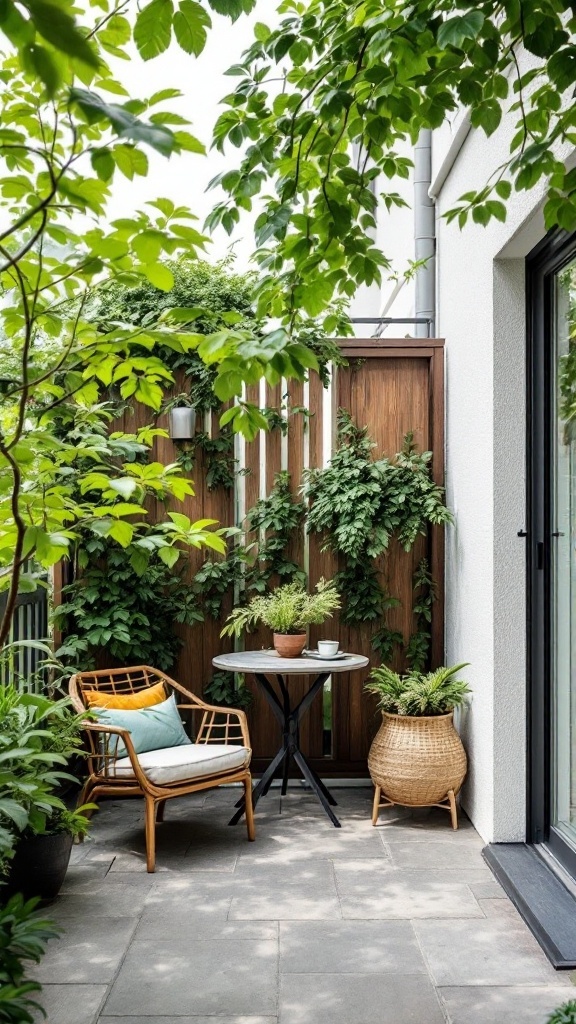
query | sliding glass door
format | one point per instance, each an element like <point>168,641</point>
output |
<point>551,540</point>
<point>563,554</point>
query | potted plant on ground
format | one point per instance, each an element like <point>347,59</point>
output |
<point>417,758</point>
<point>39,736</point>
<point>288,611</point>
<point>41,857</point>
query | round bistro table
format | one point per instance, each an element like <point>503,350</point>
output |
<point>262,664</point>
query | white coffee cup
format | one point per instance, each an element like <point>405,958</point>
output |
<point>328,648</point>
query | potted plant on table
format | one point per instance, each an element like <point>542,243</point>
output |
<point>288,611</point>
<point>417,758</point>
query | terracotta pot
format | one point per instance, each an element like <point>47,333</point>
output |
<point>289,645</point>
<point>416,761</point>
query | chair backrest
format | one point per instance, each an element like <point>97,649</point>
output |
<point>118,681</point>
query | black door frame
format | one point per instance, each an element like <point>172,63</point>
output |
<point>557,249</point>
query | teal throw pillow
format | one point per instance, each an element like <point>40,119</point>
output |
<point>150,728</point>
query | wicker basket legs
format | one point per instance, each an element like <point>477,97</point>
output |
<point>381,800</point>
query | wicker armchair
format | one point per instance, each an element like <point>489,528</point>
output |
<point>160,775</point>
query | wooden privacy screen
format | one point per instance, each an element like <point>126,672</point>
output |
<point>392,387</point>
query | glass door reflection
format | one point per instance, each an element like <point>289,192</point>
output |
<point>563,560</point>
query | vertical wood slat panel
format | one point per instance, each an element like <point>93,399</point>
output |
<point>264,730</point>
<point>313,427</point>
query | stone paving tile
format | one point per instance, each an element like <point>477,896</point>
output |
<point>285,843</point>
<point>87,875</point>
<point>71,1004</point>
<point>488,889</point>
<point>434,855</point>
<point>193,927</point>
<point>89,951</point>
<point>221,975</point>
<point>189,1020</point>
<point>349,947</point>
<point>272,892</point>
<point>358,999</point>
<point>502,1004</point>
<point>111,898</point>
<point>202,940</point>
<point>425,824</point>
<point>372,890</point>
<point>500,908</point>
<point>202,896</point>
<point>489,952</point>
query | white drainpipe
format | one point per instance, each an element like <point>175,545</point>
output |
<point>424,235</point>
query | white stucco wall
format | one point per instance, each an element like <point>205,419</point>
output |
<point>481,313</point>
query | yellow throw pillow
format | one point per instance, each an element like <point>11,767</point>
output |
<point>126,701</point>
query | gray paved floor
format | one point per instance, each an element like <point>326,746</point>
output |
<point>308,925</point>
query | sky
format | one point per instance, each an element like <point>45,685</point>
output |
<point>202,80</point>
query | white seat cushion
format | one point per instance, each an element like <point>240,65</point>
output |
<point>190,761</point>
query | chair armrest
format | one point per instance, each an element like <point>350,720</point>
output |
<point>233,724</point>
<point>107,758</point>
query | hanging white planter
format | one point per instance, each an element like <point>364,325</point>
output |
<point>182,423</point>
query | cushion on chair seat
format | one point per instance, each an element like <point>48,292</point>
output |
<point>192,761</point>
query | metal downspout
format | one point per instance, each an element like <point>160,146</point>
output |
<point>424,235</point>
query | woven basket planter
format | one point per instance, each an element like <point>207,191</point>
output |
<point>417,761</point>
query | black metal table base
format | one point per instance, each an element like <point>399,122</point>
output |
<point>289,719</point>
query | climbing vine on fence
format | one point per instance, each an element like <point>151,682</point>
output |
<point>359,504</point>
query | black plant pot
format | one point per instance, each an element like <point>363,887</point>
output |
<point>39,867</point>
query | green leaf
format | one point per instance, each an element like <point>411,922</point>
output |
<point>261,31</point>
<point>12,809</point>
<point>153,28</point>
<point>124,123</point>
<point>42,63</point>
<point>122,532</point>
<point>130,161</point>
<point>148,245</point>
<point>169,556</point>
<point>455,31</point>
<point>160,276</point>
<point>315,296</point>
<point>124,486</point>
<point>103,163</point>
<point>190,24</point>
<point>59,28</point>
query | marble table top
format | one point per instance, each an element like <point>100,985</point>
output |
<point>270,663</point>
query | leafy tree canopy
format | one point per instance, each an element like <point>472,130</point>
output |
<point>326,101</point>
<point>68,129</point>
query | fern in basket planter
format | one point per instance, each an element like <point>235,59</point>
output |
<point>288,611</point>
<point>433,693</point>
<point>417,758</point>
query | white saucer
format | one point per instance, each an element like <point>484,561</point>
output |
<point>325,657</point>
